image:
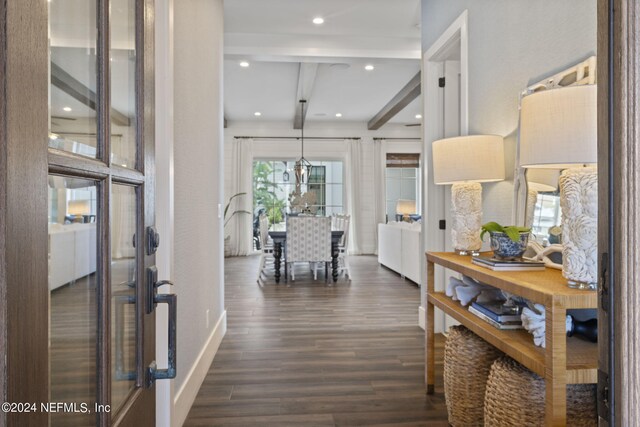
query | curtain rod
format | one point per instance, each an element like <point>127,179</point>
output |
<point>396,139</point>
<point>296,137</point>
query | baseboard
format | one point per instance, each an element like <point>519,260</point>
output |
<point>187,394</point>
<point>421,317</point>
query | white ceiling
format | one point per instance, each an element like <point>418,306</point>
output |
<point>276,36</point>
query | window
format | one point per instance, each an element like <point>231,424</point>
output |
<point>275,180</point>
<point>403,181</point>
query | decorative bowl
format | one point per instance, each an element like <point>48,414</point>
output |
<point>505,248</point>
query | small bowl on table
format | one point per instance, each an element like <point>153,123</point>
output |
<point>505,248</point>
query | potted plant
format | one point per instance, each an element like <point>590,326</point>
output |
<point>227,218</point>
<point>507,242</point>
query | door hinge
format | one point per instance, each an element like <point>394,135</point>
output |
<point>441,82</point>
<point>603,289</point>
<point>442,224</point>
<point>604,390</point>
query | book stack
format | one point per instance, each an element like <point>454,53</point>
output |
<point>497,315</point>
<point>506,265</point>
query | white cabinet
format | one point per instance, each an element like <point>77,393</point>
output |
<point>72,253</point>
<point>399,248</point>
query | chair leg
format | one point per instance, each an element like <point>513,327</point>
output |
<point>347,267</point>
<point>260,267</point>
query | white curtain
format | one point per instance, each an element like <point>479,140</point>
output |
<point>240,228</point>
<point>354,175</point>
<point>380,182</point>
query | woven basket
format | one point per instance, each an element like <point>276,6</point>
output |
<point>467,362</point>
<point>515,397</point>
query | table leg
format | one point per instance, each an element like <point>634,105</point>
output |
<point>430,346</point>
<point>277,255</point>
<point>556,364</point>
<point>334,260</point>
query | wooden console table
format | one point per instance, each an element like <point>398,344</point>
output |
<point>564,361</point>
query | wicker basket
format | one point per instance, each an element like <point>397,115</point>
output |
<point>467,362</point>
<point>515,397</point>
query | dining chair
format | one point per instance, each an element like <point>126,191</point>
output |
<point>341,222</point>
<point>266,246</point>
<point>308,240</point>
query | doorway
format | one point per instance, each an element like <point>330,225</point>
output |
<point>445,95</point>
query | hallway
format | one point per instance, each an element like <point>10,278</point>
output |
<point>316,355</point>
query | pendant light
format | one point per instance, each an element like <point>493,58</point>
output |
<point>303,165</point>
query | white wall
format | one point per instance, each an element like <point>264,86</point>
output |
<point>198,171</point>
<point>512,43</point>
<point>325,150</point>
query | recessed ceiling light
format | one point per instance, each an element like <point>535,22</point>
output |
<point>244,64</point>
<point>369,67</point>
<point>418,116</point>
<point>318,20</point>
<point>338,114</point>
<point>67,109</point>
<point>257,114</point>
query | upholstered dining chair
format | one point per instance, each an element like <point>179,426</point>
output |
<point>308,240</point>
<point>266,246</point>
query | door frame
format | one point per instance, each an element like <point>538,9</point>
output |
<point>435,239</point>
<point>23,224</point>
<point>618,215</point>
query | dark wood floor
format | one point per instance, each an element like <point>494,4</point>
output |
<point>312,354</point>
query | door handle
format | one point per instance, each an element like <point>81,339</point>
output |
<point>153,373</point>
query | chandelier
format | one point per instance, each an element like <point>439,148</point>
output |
<point>303,166</point>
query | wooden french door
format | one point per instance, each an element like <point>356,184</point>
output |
<point>77,242</point>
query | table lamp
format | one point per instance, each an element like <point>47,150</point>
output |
<point>405,208</point>
<point>465,162</point>
<point>539,180</point>
<point>558,130</point>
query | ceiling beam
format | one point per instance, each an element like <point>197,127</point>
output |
<point>403,98</point>
<point>77,90</point>
<point>306,79</point>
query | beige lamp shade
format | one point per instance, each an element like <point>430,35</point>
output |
<point>79,207</point>
<point>558,128</point>
<point>543,179</point>
<point>405,207</point>
<point>475,158</point>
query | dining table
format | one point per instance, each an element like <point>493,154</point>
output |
<point>279,240</point>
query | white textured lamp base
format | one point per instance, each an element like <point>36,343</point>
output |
<point>466,213</point>
<point>579,203</point>
<point>532,198</point>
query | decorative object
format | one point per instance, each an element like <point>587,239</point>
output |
<point>405,208</point>
<point>508,242</point>
<point>303,203</point>
<point>549,255</point>
<point>533,320</point>
<point>468,290</point>
<point>467,362</point>
<point>515,397</point>
<point>465,162</point>
<point>227,218</point>
<point>302,165</point>
<point>558,129</point>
